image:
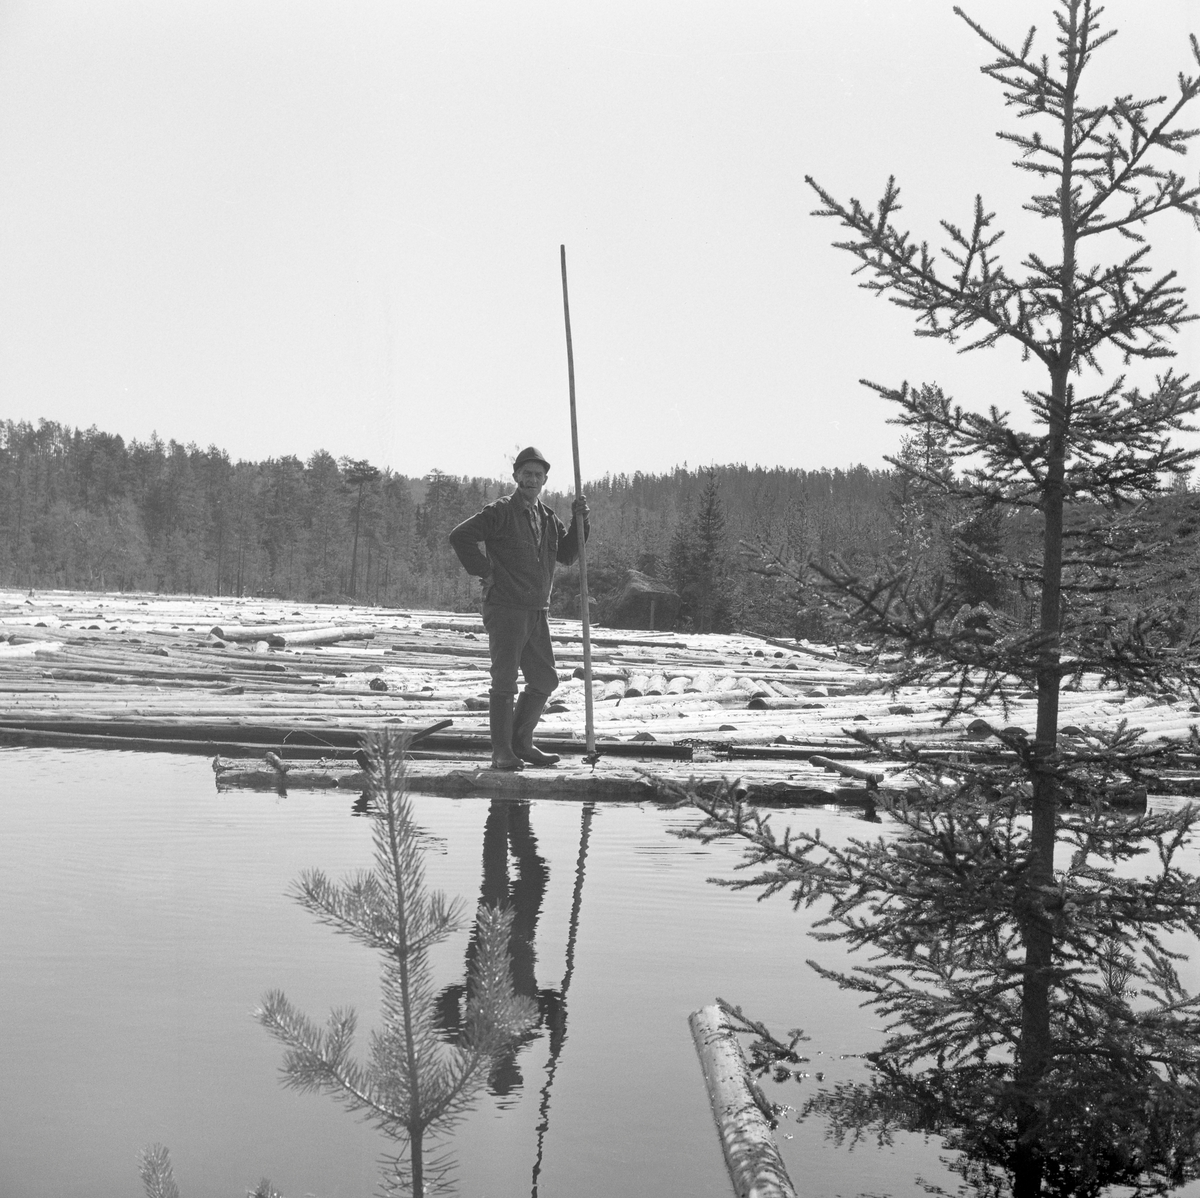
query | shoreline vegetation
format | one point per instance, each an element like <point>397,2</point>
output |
<point>85,510</point>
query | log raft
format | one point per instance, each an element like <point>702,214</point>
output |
<point>237,678</point>
<point>609,779</point>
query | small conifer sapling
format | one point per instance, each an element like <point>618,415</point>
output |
<point>411,1087</point>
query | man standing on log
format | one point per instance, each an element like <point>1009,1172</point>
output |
<point>522,540</point>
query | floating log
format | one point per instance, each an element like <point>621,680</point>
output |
<point>616,642</point>
<point>261,632</point>
<point>662,701</point>
<point>466,652</point>
<point>806,648</point>
<point>567,745</point>
<point>450,700</point>
<point>139,744</point>
<point>1173,782</point>
<point>289,737</point>
<point>605,780</point>
<point>263,775</point>
<point>19,634</point>
<point>603,676</point>
<point>130,672</point>
<point>782,689</point>
<point>293,738</point>
<point>10,650</point>
<point>755,1167</point>
<point>804,752</point>
<point>323,636</point>
<point>872,776</point>
<point>225,748</point>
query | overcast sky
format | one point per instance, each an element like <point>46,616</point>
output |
<point>283,225</point>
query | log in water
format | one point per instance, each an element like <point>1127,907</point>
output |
<point>755,1167</point>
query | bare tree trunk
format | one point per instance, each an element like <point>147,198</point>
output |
<point>354,552</point>
<point>1036,1049</point>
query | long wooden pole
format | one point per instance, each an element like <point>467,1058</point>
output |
<point>585,613</point>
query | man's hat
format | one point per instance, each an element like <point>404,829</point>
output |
<point>530,455</point>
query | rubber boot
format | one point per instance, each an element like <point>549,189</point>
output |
<point>529,711</point>
<point>500,721</point>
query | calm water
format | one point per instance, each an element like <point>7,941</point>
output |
<point>144,915</point>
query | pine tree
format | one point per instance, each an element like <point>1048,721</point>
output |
<point>325,520</point>
<point>357,472</point>
<point>412,1088</point>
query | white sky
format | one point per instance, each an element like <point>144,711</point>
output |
<point>283,225</point>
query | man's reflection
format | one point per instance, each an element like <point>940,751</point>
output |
<point>507,834</point>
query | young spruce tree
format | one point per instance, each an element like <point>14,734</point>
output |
<point>1036,1017</point>
<point>701,563</point>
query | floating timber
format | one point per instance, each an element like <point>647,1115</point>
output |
<point>238,678</point>
<point>756,1169</point>
<point>606,779</point>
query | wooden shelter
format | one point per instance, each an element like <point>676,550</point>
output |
<point>645,602</point>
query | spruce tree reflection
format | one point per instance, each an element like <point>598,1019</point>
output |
<point>937,903</point>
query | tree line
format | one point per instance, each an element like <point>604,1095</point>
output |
<point>83,508</point>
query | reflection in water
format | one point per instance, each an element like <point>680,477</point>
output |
<point>1057,1075</point>
<point>558,1030</point>
<point>506,830</point>
<point>406,1088</point>
<point>508,833</point>
<point>1097,1126</point>
<point>102,857</point>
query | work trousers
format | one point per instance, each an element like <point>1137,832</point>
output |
<point>519,639</point>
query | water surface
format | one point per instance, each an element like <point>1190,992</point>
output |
<point>145,915</point>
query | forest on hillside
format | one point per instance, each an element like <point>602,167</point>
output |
<point>81,508</point>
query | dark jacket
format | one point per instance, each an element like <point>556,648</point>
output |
<point>521,570</point>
